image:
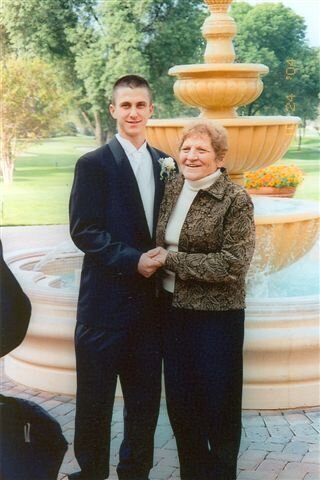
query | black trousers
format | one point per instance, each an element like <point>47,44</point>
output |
<point>203,380</point>
<point>102,355</point>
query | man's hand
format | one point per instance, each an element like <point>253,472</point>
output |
<point>159,254</point>
<point>147,265</point>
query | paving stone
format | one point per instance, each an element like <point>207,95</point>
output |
<point>244,445</point>
<point>302,468</point>
<point>273,420</point>
<point>308,438</point>
<point>266,446</point>
<point>316,426</point>
<point>175,475</point>
<point>312,457</point>
<point>69,425</point>
<point>271,465</point>
<point>163,436</point>
<point>280,431</point>
<point>297,447</point>
<point>46,395</point>
<point>313,414</point>
<point>171,444</point>
<point>161,471</point>
<point>314,447</point>
<point>311,476</point>
<point>254,475</point>
<point>66,419</point>
<point>257,434</point>
<point>286,457</point>
<point>250,459</point>
<point>163,419</point>
<point>50,404</point>
<point>63,398</point>
<point>169,456</point>
<point>116,427</point>
<point>24,396</point>
<point>61,409</point>
<point>296,418</point>
<point>302,429</point>
<point>291,476</point>
<point>252,420</point>
<point>39,400</point>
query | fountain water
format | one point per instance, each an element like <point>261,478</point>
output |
<point>282,331</point>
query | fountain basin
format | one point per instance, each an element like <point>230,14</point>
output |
<point>45,360</point>
<point>281,352</point>
<point>218,88</point>
<point>286,229</point>
<point>254,142</point>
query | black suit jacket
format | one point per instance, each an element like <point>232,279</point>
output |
<point>108,223</point>
<point>15,310</point>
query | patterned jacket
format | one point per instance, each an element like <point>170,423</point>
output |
<point>215,248</point>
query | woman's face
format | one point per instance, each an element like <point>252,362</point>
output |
<point>197,157</point>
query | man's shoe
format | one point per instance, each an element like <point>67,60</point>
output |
<point>84,476</point>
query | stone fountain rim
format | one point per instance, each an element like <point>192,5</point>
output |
<point>236,68</point>
<point>43,292</point>
<point>241,121</point>
<point>285,304</point>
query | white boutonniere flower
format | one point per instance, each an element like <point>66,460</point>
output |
<point>168,168</point>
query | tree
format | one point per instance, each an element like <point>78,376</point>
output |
<point>95,42</point>
<point>31,102</point>
<point>141,37</point>
<point>105,51</point>
<point>274,35</point>
<point>174,38</point>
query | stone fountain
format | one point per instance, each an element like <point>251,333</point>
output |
<point>281,351</point>
<point>218,87</point>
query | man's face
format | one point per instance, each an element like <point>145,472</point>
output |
<point>132,109</point>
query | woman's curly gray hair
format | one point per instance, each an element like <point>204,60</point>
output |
<point>216,132</point>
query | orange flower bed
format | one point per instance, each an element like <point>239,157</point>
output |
<point>275,176</point>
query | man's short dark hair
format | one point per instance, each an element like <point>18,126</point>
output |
<point>131,81</point>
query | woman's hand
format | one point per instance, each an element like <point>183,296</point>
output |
<point>159,254</point>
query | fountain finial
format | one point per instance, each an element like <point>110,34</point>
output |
<point>219,86</point>
<point>219,29</point>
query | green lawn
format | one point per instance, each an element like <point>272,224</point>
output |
<point>42,182</point>
<point>44,173</point>
<point>308,159</point>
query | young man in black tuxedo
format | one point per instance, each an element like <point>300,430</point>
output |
<point>114,207</point>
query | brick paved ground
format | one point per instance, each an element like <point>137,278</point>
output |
<point>276,445</point>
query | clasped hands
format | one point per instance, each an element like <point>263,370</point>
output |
<point>150,261</point>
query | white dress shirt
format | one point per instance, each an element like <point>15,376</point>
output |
<point>178,216</point>
<point>141,164</point>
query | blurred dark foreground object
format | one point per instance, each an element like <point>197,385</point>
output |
<point>32,445</point>
<point>15,310</point>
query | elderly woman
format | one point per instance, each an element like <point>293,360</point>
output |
<point>206,239</point>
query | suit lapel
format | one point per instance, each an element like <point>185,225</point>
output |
<point>129,186</point>
<point>158,187</point>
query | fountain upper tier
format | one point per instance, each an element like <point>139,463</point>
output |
<point>218,88</point>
